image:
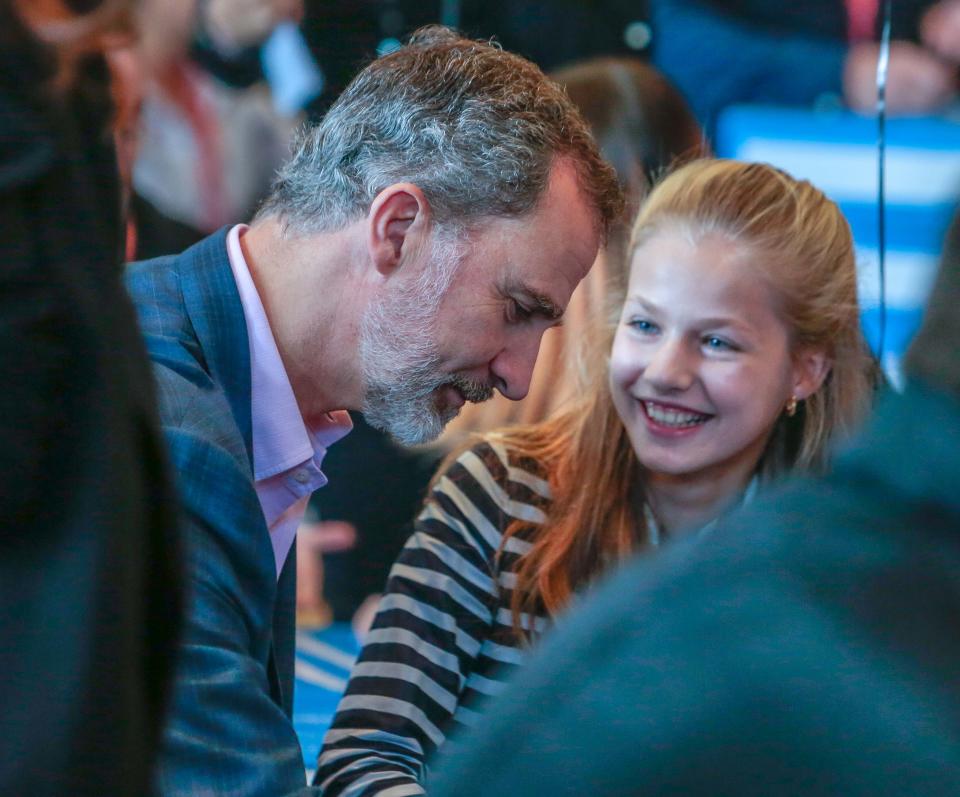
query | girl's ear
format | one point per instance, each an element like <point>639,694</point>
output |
<point>810,368</point>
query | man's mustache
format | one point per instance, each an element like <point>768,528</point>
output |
<point>471,389</point>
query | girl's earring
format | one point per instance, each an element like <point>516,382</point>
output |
<point>791,407</point>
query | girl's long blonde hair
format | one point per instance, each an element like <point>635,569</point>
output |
<point>804,249</point>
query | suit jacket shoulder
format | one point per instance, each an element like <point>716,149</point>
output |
<point>195,332</point>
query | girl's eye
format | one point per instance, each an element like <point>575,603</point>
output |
<point>717,344</point>
<point>642,325</point>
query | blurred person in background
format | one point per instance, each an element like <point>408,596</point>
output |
<point>809,648</point>
<point>89,583</point>
<point>557,33</point>
<point>344,34</point>
<point>721,52</point>
<point>642,126</point>
<point>210,137</point>
<point>735,359</point>
<point>410,256</point>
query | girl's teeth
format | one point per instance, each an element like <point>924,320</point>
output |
<point>671,417</point>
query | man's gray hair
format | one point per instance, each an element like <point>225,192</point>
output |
<point>475,128</point>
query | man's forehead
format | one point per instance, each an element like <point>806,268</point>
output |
<point>549,277</point>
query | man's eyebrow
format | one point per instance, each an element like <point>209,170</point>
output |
<point>545,306</point>
<point>542,305</point>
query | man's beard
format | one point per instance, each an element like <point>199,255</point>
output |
<point>400,359</point>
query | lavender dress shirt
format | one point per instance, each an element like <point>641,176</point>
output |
<point>287,454</point>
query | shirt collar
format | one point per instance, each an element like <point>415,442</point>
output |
<point>281,439</point>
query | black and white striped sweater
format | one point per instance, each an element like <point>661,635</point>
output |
<point>443,639</point>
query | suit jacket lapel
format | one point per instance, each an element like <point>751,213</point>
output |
<point>216,313</point>
<point>213,305</point>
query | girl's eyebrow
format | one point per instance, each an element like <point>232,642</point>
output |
<point>650,307</point>
<point>723,321</point>
<point>713,321</point>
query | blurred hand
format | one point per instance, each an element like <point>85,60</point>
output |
<point>917,81</point>
<point>940,29</point>
<point>314,540</point>
<point>166,29</point>
<point>235,24</point>
<point>328,536</point>
<point>128,75</point>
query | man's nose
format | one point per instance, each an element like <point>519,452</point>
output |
<point>512,368</point>
<point>670,367</point>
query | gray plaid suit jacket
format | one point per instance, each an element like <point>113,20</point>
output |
<point>230,730</point>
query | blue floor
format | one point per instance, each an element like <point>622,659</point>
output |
<point>324,659</point>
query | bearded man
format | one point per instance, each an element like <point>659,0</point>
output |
<point>413,251</point>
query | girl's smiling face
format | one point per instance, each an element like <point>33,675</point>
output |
<point>702,366</point>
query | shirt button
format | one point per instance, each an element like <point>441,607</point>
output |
<point>301,476</point>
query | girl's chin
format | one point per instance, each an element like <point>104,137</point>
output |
<point>672,459</point>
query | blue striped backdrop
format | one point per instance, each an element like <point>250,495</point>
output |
<point>837,151</point>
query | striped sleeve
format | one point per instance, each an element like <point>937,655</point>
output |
<point>442,602</point>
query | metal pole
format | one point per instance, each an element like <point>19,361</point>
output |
<point>883,61</point>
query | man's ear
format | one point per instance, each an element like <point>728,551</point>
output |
<point>398,225</point>
<point>810,367</point>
